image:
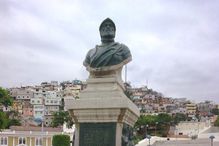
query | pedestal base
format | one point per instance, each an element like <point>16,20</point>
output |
<point>108,116</point>
<point>102,111</point>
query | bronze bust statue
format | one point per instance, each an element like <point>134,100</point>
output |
<point>109,53</point>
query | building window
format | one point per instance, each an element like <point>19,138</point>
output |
<point>3,141</point>
<point>21,140</point>
<point>39,141</point>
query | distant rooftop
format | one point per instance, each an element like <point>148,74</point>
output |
<point>32,128</point>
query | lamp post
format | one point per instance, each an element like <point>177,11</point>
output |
<point>176,132</point>
<point>156,129</point>
<point>146,130</point>
<point>149,139</point>
<point>212,138</point>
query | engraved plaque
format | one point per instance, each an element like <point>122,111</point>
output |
<point>97,134</point>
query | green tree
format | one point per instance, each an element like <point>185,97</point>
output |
<point>3,93</point>
<point>161,123</point>
<point>3,120</point>
<point>59,118</point>
<point>164,118</point>
<point>215,111</point>
<point>13,122</point>
<point>216,123</point>
<point>5,98</point>
<point>13,114</point>
<point>146,120</point>
<point>145,124</point>
<point>61,140</point>
<point>164,121</point>
<point>179,117</point>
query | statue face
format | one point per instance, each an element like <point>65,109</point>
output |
<point>107,30</point>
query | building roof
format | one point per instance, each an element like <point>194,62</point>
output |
<point>33,128</point>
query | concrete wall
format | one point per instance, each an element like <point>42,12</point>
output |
<point>191,127</point>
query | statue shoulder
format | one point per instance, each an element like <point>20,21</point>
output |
<point>92,51</point>
<point>126,53</point>
<point>121,45</point>
<point>124,48</point>
<point>89,55</point>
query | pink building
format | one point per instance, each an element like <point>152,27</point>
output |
<point>27,109</point>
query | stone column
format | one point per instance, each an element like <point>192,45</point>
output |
<point>30,140</point>
<point>13,140</point>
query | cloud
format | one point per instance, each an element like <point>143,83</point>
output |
<point>174,44</point>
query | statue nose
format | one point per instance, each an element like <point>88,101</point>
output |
<point>108,26</point>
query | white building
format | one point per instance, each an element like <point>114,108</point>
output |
<point>21,93</point>
<point>38,111</point>
<point>38,105</point>
<point>52,102</point>
<point>179,110</point>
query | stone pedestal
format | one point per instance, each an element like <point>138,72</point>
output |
<point>102,110</point>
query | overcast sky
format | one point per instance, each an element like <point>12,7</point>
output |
<point>174,44</point>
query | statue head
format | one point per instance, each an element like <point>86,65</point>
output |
<point>107,30</point>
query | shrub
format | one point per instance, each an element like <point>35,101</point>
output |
<point>61,140</point>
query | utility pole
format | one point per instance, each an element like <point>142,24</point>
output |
<point>125,73</point>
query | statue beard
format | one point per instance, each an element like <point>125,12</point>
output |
<point>107,38</point>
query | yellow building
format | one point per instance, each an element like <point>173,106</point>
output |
<point>72,90</point>
<point>191,108</point>
<point>23,137</point>
<point>17,106</point>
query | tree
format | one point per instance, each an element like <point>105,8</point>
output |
<point>13,114</point>
<point>216,123</point>
<point>5,98</point>
<point>146,120</point>
<point>145,124</point>
<point>60,118</point>
<point>61,140</point>
<point>215,111</point>
<point>164,118</point>
<point>3,120</point>
<point>7,102</point>
<point>13,122</point>
<point>164,122</point>
<point>3,93</point>
<point>149,123</point>
<point>179,117</point>
<point>6,121</point>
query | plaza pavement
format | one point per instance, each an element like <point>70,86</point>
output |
<point>203,139</point>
